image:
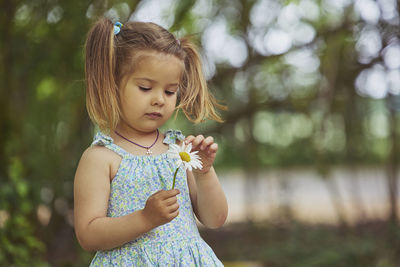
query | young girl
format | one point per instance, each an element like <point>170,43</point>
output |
<point>137,75</point>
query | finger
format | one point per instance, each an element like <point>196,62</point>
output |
<point>168,193</point>
<point>207,142</point>
<point>173,208</point>
<point>189,139</point>
<point>213,148</point>
<point>158,194</point>
<point>197,141</point>
<point>170,201</point>
<point>174,215</point>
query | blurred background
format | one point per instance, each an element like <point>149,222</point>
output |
<point>309,149</point>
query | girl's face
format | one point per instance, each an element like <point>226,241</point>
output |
<point>149,96</point>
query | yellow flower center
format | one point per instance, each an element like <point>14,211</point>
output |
<point>184,156</point>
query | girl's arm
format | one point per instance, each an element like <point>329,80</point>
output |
<point>96,231</point>
<point>208,199</point>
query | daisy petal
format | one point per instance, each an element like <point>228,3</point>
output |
<point>188,160</point>
<point>188,148</point>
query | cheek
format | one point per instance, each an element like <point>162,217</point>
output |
<point>172,102</point>
<point>131,101</point>
<point>134,96</point>
<point>170,105</point>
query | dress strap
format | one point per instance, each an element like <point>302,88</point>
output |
<point>172,135</point>
<point>101,139</point>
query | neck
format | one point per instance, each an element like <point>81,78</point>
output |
<point>136,143</point>
<point>133,133</point>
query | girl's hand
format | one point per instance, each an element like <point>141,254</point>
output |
<point>207,150</point>
<point>161,207</point>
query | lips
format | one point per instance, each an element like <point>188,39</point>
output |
<point>154,114</point>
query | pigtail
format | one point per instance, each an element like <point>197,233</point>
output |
<point>196,102</point>
<point>102,101</point>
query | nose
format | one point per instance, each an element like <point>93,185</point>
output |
<point>157,98</point>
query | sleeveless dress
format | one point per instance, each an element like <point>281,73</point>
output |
<point>177,243</point>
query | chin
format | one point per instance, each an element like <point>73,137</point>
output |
<point>151,127</point>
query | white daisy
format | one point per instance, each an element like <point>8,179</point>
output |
<point>189,160</point>
<point>184,157</point>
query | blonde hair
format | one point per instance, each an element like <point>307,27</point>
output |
<point>109,59</point>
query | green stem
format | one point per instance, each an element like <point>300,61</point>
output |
<point>173,183</point>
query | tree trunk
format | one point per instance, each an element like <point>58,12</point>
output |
<point>356,197</point>
<point>336,198</point>
<point>250,192</point>
<point>391,170</point>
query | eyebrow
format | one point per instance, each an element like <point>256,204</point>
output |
<point>153,81</point>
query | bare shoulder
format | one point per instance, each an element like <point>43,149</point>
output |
<point>97,159</point>
<point>97,153</point>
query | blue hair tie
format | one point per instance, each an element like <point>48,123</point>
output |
<point>117,27</point>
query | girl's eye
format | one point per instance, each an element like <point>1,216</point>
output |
<point>144,88</point>
<point>169,92</point>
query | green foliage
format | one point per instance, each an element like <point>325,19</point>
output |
<point>18,243</point>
